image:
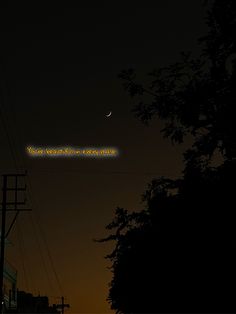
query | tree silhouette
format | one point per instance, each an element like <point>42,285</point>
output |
<point>179,253</point>
<point>196,95</point>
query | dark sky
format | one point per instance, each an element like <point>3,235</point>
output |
<point>59,80</point>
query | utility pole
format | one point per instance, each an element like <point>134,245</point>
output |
<point>4,210</point>
<point>62,306</point>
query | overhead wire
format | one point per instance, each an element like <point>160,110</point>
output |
<point>14,158</point>
<point>22,256</point>
<point>40,251</point>
<point>50,258</point>
<point>33,202</point>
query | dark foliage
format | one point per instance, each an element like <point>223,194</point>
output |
<point>179,254</point>
<point>196,95</point>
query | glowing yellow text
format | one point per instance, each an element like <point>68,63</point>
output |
<point>71,152</point>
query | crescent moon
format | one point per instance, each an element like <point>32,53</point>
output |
<point>109,114</point>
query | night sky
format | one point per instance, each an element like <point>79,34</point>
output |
<point>59,69</point>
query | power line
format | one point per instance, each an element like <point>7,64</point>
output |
<point>49,254</point>
<point>40,251</point>
<point>14,157</point>
<point>33,201</point>
<point>22,254</point>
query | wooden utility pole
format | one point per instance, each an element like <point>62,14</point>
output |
<point>62,306</point>
<point>4,210</point>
